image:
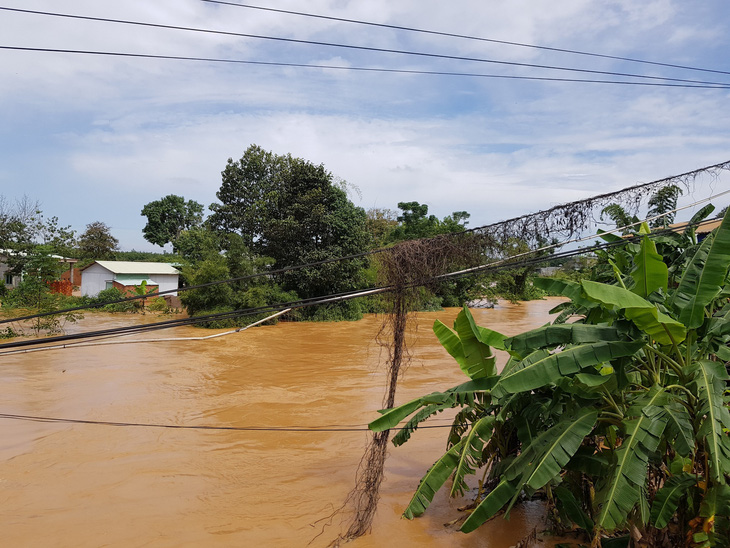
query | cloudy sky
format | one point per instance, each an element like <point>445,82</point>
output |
<point>94,138</point>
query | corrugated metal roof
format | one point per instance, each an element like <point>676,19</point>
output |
<point>139,268</point>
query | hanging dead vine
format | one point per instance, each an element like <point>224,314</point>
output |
<point>406,268</point>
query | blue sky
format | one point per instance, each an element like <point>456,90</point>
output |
<point>95,138</point>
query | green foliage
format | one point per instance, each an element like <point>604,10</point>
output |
<point>291,211</point>
<point>97,242</point>
<point>111,296</point>
<point>168,217</point>
<point>662,202</point>
<point>618,417</point>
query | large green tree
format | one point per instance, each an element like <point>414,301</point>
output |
<point>292,211</point>
<point>168,217</point>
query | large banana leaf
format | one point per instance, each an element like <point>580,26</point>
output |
<point>650,272</point>
<point>567,288</point>
<point>471,454</point>
<point>390,418</point>
<point>644,314</point>
<point>679,429</point>
<point>474,357</point>
<point>492,503</point>
<point>554,335</point>
<point>667,498</point>
<point>432,482</point>
<point>544,459</point>
<point>572,509</point>
<point>709,382</point>
<point>704,277</point>
<point>623,487</point>
<point>529,375</point>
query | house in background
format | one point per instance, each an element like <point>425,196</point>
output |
<point>126,275</point>
<point>13,280</point>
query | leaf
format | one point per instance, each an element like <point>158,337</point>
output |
<point>555,335</point>
<point>644,314</point>
<point>680,432</point>
<point>432,482</point>
<point>471,454</point>
<point>528,375</point>
<point>474,357</point>
<point>572,509</point>
<point>709,381</point>
<point>703,277</point>
<point>545,457</point>
<point>390,418</point>
<point>650,272</point>
<point>623,487</point>
<point>667,499</point>
<point>492,503</point>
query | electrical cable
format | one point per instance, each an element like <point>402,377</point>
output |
<point>495,266</point>
<point>361,48</point>
<point>465,36</point>
<point>595,199</point>
<point>363,428</point>
<point>362,69</point>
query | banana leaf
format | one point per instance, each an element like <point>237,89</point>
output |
<point>623,486</point>
<point>544,459</point>
<point>572,509</point>
<point>644,314</point>
<point>709,383</point>
<point>432,482</point>
<point>471,454</point>
<point>474,357</point>
<point>529,375</point>
<point>650,272</point>
<point>667,498</point>
<point>703,277</point>
<point>492,503</point>
<point>554,335</point>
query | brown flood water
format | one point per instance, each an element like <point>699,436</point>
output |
<point>83,485</point>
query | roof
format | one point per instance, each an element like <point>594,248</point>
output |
<point>705,227</point>
<point>141,269</point>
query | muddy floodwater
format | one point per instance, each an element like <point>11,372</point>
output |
<point>90,485</point>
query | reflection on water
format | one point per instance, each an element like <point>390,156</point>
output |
<point>91,485</point>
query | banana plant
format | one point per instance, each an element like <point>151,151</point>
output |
<point>617,414</point>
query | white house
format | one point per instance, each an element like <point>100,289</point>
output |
<point>125,275</point>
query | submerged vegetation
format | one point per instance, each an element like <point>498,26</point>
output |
<point>616,414</point>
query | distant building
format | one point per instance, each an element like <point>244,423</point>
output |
<point>12,280</point>
<point>126,275</point>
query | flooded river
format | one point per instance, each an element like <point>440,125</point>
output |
<point>89,485</point>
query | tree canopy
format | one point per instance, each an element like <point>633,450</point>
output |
<point>168,217</point>
<point>291,210</point>
<point>97,242</point>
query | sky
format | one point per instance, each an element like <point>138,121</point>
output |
<point>95,138</point>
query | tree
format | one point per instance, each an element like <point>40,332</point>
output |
<point>168,217</point>
<point>380,223</point>
<point>292,211</point>
<point>662,202</point>
<point>97,242</point>
<point>415,222</point>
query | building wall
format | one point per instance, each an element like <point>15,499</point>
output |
<point>166,282</point>
<point>94,280</point>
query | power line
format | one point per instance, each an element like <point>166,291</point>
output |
<point>496,266</point>
<point>358,48</point>
<point>358,428</point>
<point>598,199</point>
<point>364,69</point>
<point>466,37</point>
